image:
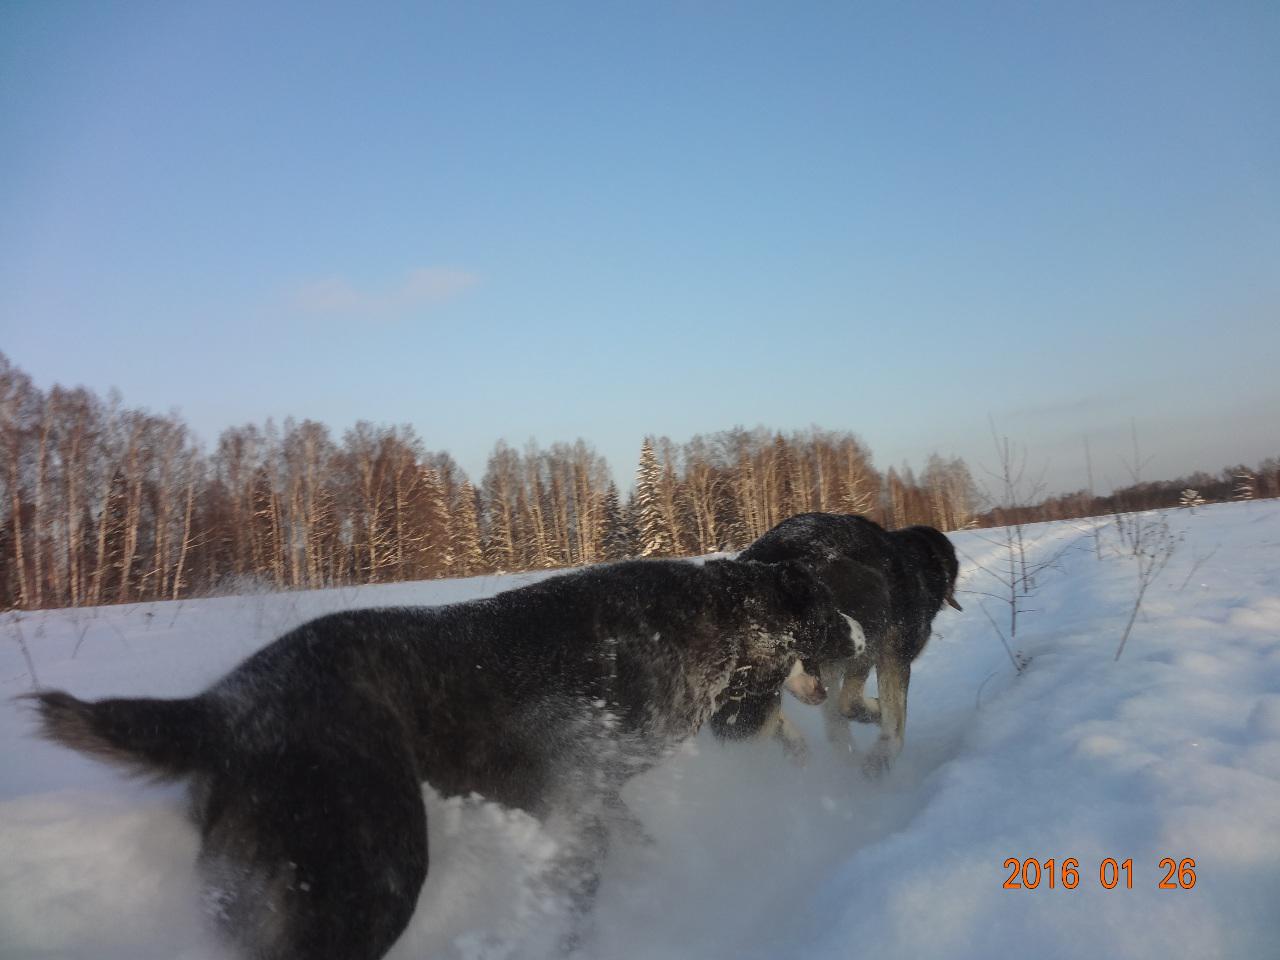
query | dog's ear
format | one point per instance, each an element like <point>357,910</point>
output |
<point>800,586</point>
<point>944,553</point>
<point>952,565</point>
<point>828,633</point>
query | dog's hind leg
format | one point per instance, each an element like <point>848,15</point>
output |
<point>893,676</point>
<point>626,826</point>
<point>575,876</point>
<point>314,855</point>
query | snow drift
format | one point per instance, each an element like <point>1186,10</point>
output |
<point>1173,752</point>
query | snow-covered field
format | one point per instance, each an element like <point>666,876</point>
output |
<point>1174,752</point>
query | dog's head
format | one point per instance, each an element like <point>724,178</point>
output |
<point>813,627</point>
<point>822,632</point>
<point>793,627</point>
<point>940,566</point>
<point>804,685</point>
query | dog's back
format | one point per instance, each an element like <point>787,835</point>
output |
<point>880,577</point>
<point>816,537</point>
<point>852,555</point>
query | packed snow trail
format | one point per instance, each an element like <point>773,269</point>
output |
<point>1172,752</point>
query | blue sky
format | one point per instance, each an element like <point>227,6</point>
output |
<point>605,220</point>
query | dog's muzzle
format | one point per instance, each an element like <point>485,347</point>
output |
<point>805,687</point>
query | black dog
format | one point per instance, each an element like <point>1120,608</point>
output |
<point>892,583</point>
<point>306,761</point>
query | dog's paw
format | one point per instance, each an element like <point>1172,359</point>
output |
<point>875,765</point>
<point>862,710</point>
<point>879,758</point>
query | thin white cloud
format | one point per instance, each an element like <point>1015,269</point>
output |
<point>419,289</point>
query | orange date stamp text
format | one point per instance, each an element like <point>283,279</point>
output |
<point>1031,874</point>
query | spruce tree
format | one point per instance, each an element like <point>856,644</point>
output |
<point>464,533</point>
<point>652,529</point>
<point>438,522</point>
<point>617,540</point>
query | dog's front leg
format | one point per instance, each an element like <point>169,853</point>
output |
<point>775,725</point>
<point>893,676</point>
<point>853,700</point>
<point>792,740</point>
<point>835,673</point>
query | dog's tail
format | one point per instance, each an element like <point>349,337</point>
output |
<point>164,739</point>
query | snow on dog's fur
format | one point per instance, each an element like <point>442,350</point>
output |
<point>305,761</point>
<point>891,584</point>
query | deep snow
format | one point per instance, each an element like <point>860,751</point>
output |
<point>1172,752</point>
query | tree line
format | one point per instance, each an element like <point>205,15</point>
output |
<point>103,503</point>
<point>1232,483</point>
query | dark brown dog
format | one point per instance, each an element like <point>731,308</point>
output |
<point>306,761</point>
<point>892,583</point>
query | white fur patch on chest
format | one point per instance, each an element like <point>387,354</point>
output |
<point>856,634</point>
